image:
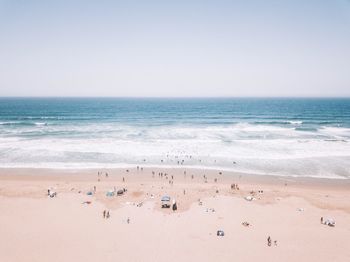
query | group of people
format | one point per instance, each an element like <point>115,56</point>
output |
<point>51,193</point>
<point>328,222</point>
<point>100,174</point>
<point>269,241</point>
<point>234,187</point>
<point>106,214</point>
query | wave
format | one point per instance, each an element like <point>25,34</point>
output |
<point>23,123</point>
<point>306,128</point>
<point>227,133</point>
<point>296,122</point>
<point>263,148</point>
<point>40,124</point>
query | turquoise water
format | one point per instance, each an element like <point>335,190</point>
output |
<point>301,137</point>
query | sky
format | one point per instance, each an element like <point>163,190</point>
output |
<point>175,48</point>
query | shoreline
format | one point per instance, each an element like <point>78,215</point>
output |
<point>168,167</point>
<point>56,173</point>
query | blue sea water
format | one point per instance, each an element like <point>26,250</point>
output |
<point>277,136</point>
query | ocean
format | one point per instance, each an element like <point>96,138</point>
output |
<point>269,136</point>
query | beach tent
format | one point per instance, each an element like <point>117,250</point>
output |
<point>52,194</point>
<point>249,198</point>
<point>329,222</point>
<point>166,198</point>
<point>165,201</point>
<point>110,193</point>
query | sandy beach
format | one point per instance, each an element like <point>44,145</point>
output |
<point>175,131</point>
<point>71,226</point>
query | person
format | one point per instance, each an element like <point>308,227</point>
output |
<point>108,215</point>
<point>128,220</point>
<point>269,241</point>
<point>174,205</point>
<point>275,243</point>
<point>104,213</point>
<point>321,220</point>
<point>123,179</point>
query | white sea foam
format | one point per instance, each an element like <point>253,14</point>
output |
<point>262,149</point>
<point>40,123</point>
<point>296,122</point>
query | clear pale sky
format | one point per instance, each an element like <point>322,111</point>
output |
<point>175,48</point>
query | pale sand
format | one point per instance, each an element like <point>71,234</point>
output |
<point>34,227</point>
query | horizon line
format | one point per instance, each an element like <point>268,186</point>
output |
<point>183,97</point>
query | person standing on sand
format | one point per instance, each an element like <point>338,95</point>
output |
<point>321,220</point>
<point>269,241</point>
<point>174,205</point>
<point>104,213</point>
